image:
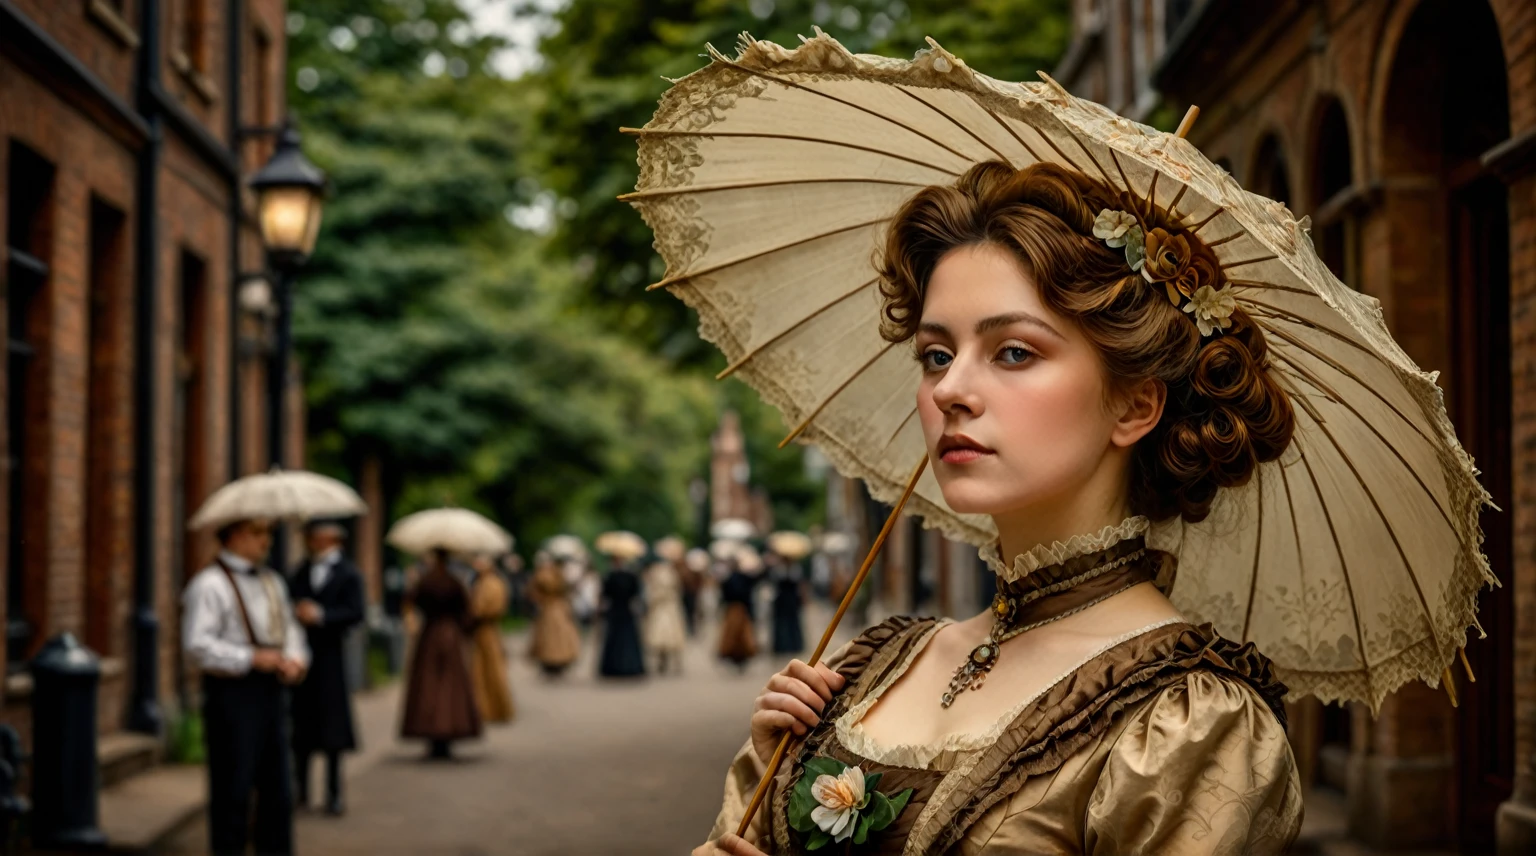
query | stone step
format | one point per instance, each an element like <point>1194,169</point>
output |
<point>124,755</point>
<point>141,812</point>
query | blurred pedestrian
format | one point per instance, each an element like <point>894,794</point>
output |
<point>439,701</point>
<point>785,550</point>
<point>328,600</point>
<point>621,653</point>
<point>556,641</point>
<point>488,668</point>
<point>238,628</point>
<point>738,630</point>
<point>666,632</point>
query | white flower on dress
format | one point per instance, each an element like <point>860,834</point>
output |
<point>841,797</point>
<point>1212,309</point>
<point>1111,226</point>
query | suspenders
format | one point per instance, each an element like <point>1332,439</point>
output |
<point>245,616</point>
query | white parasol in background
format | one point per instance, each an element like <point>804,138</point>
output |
<point>278,494</point>
<point>457,530</point>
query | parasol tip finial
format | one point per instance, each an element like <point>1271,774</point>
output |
<point>1188,121</point>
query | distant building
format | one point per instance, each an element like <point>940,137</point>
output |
<point>1407,130</point>
<point>135,380</point>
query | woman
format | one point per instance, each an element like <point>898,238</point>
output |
<point>1065,394</point>
<point>556,641</point>
<point>439,702</point>
<point>622,656</point>
<point>788,601</point>
<point>666,631</point>
<point>488,668</point>
<point>738,629</point>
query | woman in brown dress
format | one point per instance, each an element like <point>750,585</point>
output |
<point>556,641</point>
<point>488,668</point>
<point>439,702</point>
<point>1067,394</point>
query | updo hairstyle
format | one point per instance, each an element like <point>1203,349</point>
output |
<point>1224,414</point>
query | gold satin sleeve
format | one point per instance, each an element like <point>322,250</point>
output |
<point>1202,768</point>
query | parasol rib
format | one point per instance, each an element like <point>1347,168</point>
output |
<point>749,185</point>
<point>1219,241</point>
<point>756,349</point>
<point>1401,554</point>
<point>1444,515</point>
<point>683,277</point>
<point>897,432</point>
<point>662,132</point>
<point>1173,207</point>
<point>1052,143</point>
<point>1252,261</point>
<point>1198,226</point>
<point>790,84</point>
<point>834,394</point>
<point>956,122</point>
<point>1258,550</point>
<point>1349,586</point>
<point>1246,284</point>
<point>1118,168</point>
<point>1152,191</point>
<point>1324,359</point>
<point>1096,165</point>
<point>1012,132</point>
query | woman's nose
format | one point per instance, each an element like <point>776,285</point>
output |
<point>955,392</point>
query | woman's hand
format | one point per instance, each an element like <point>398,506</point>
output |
<point>793,700</point>
<point>728,845</point>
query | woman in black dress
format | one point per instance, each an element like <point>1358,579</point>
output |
<point>788,600</point>
<point>622,655</point>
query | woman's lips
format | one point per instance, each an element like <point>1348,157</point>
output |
<point>960,449</point>
<point>963,455</point>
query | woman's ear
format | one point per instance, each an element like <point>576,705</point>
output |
<point>1140,407</point>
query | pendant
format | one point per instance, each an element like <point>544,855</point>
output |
<point>973,672</point>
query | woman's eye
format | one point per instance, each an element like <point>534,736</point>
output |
<point>935,360</point>
<point>1013,355</point>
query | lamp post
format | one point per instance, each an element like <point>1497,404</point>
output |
<point>290,193</point>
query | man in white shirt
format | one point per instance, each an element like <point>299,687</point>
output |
<point>239,630</point>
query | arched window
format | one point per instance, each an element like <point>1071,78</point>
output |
<point>1269,176</point>
<point>1335,220</point>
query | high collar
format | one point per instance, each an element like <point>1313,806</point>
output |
<point>1046,564</point>
<point>329,557</point>
<point>238,564</point>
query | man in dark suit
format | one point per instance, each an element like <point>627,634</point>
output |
<point>327,592</point>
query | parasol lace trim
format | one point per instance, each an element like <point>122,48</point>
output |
<point>850,726</point>
<point>1044,556</point>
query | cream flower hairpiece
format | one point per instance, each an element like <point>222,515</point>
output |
<point>1175,264</point>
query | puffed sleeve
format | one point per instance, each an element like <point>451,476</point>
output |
<point>1201,768</point>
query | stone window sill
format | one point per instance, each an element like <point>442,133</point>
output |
<point>194,78</point>
<point>111,20</point>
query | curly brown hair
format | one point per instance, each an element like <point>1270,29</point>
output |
<point>1224,413</point>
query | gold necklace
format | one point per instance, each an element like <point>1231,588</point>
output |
<point>1008,609</point>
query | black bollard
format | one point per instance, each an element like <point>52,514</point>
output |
<point>12,805</point>
<point>65,776</point>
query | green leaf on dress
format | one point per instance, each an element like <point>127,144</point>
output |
<point>861,833</point>
<point>822,766</point>
<point>871,781</point>
<point>818,840</point>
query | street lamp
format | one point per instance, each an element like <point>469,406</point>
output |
<point>289,195</point>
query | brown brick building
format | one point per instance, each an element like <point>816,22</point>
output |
<point>1407,130</point>
<point>135,381</point>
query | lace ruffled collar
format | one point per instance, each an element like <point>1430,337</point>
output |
<point>1061,552</point>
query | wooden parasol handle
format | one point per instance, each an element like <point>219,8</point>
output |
<point>826,639</point>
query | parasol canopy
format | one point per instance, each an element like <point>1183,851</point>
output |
<point>457,530</point>
<point>566,548</point>
<point>278,495</point>
<point>621,544</point>
<point>733,529</point>
<point>1353,561</point>
<point>791,545</point>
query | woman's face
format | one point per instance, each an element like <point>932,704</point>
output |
<point>1012,399</point>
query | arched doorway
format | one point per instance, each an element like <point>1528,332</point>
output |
<point>1446,103</point>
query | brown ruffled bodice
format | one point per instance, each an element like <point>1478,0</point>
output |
<point>1060,722</point>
